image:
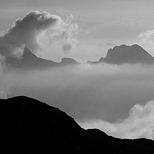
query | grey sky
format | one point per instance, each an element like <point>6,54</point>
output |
<point>105,21</point>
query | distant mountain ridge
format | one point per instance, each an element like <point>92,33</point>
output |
<point>124,54</point>
<point>31,127</point>
<point>30,61</point>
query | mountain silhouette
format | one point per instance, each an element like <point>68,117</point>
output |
<point>68,61</point>
<point>126,55</point>
<point>31,61</point>
<point>31,127</point>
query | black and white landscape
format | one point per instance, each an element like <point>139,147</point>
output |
<point>94,60</point>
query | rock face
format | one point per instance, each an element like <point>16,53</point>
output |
<point>31,127</point>
<point>127,55</point>
<point>30,61</point>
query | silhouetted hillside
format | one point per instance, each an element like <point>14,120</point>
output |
<point>127,55</point>
<point>31,127</point>
<point>30,61</point>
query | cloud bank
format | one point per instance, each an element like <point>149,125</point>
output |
<point>98,96</point>
<point>139,124</point>
<point>39,32</point>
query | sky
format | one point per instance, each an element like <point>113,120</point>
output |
<point>117,99</point>
<point>99,21</point>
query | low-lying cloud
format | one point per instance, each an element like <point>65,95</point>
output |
<point>139,124</point>
<point>98,96</point>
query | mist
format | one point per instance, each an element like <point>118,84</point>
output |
<point>92,94</point>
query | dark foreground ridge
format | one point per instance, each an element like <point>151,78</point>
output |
<point>31,127</point>
<point>124,54</point>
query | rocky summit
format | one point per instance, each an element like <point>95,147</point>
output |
<point>124,54</point>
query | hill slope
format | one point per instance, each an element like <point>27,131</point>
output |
<point>31,127</point>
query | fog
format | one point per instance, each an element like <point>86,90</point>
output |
<point>101,96</point>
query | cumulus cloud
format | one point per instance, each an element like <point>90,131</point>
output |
<point>147,37</point>
<point>43,33</point>
<point>61,37</point>
<point>24,32</point>
<point>139,124</point>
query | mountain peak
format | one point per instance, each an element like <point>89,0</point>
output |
<point>68,61</point>
<point>31,61</point>
<point>125,54</point>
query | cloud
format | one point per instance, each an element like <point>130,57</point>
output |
<point>146,37</point>
<point>61,37</point>
<point>85,91</point>
<point>110,45</point>
<point>146,40</point>
<point>139,124</point>
<point>43,33</point>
